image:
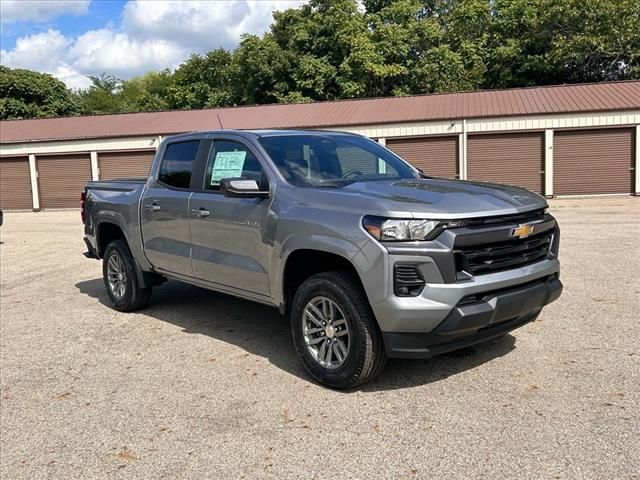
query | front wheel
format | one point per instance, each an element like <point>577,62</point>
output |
<point>120,278</point>
<point>334,331</point>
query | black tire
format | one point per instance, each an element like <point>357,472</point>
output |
<point>133,296</point>
<point>366,354</point>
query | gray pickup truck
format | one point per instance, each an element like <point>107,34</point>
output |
<point>368,257</point>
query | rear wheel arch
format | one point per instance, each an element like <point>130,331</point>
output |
<point>121,278</point>
<point>107,232</point>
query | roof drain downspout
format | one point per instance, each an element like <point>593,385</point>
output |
<point>636,166</point>
<point>462,152</point>
<point>33,176</point>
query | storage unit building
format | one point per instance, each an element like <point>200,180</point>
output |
<point>578,139</point>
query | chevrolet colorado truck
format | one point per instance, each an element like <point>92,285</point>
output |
<point>368,257</point>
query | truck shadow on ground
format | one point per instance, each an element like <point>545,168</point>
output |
<point>261,330</point>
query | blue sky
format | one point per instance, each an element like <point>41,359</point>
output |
<point>75,38</point>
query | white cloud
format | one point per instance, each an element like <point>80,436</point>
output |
<point>201,25</point>
<point>41,49</point>
<point>40,10</point>
<point>45,52</point>
<point>153,35</point>
<point>121,55</point>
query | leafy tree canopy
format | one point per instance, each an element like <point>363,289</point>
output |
<point>27,94</point>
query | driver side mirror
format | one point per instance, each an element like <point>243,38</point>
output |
<point>241,188</point>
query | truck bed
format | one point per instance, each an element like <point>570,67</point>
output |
<point>116,202</point>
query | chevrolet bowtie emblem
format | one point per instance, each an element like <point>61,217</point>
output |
<point>522,231</point>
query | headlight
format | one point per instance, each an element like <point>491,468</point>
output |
<point>395,230</point>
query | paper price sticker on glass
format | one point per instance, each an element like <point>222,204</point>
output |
<point>227,165</point>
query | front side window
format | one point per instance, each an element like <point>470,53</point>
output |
<point>333,160</point>
<point>229,159</point>
<point>178,163</point>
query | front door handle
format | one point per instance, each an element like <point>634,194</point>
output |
<point>200,212</point>
<point>154,207</point>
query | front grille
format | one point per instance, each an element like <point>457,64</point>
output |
<point>495,257</point>
<point>408,281</point>
<point>503,219</point>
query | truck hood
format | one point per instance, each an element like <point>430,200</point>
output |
<point>429,198</point>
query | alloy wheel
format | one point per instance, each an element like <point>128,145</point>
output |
<point>326,332</point>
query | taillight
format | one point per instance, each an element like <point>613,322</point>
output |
<point>83,198</point>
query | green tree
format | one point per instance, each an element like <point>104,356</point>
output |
<point>203,81</point>
<point>149,92</point>
<point>331,49</point>
<point>28,94</point>
<point>541,42</point>
<point>103,96</point>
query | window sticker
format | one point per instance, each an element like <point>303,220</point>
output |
<point>227,165</point>
<point>382,166</point>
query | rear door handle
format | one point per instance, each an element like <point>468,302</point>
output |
<point>200,212</point>
<point>154,207</point>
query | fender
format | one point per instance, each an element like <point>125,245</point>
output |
<point>145,278</point>
<point>115,218</point>
<point>323,243</point>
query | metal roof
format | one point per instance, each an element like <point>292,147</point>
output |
<point>607,96</point>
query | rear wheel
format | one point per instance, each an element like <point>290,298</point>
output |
<point>335,333</point>
<point>120,279</point>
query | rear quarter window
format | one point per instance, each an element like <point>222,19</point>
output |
<point>178,164</point>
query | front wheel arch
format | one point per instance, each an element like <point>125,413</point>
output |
<point>304,263</point>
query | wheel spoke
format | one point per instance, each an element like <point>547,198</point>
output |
<point>341,333</point>
<point>112,264</point>
<point>327,358</point>
<point>326,309</point>
<point>316,340</point>
<point>323,348</point>
<point>337,352</point>
<point>342,347</point>
<point>339,322</point>
<point>314,314</point>
<point>311,331</point>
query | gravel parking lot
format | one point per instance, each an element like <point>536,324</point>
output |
<point>201,385</point>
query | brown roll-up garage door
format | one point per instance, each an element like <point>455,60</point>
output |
<point>125,164</point>
<point>587,162</point>
<point>436,156</point>
<point>511,158</point>
<point>61,179</point>
<point>15,183</point>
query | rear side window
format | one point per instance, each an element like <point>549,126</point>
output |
<point>178,163</point>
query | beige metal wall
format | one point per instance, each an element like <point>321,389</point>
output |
<point>15,183</point>
<point>511,158</point>
<point>593,161</point>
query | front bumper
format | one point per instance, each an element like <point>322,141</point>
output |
<point>476,319</point>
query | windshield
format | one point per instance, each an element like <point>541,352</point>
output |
<point>326,160</point>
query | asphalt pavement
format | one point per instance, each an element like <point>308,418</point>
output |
<point>201,385</point>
